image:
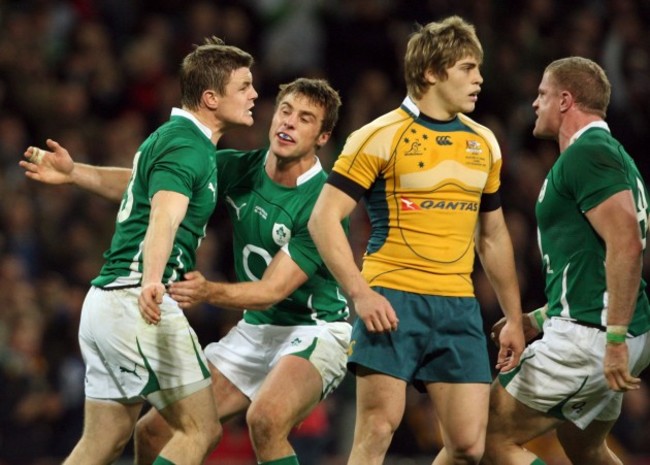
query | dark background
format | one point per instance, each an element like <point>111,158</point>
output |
<point>98,76</point>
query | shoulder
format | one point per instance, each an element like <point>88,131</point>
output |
<point>380,131</point>
<point>485,133</point>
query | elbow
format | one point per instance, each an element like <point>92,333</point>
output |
<point>313,227</point>
<point>269,297</point>
<point>630,248</point>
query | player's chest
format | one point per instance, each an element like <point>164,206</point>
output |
<point>418,150</point>
<point>263,219</point>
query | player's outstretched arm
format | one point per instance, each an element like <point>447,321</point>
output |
<point>532,324</point>
<point>56,166</point>
<point>282,277</point>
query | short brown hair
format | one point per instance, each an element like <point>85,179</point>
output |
<point>209,66</point>
<point>438,46</point>
<point>317,91</point>
<point>585,80</point>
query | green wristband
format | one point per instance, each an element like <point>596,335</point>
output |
<point>537,318</point>
<point>615,338</point>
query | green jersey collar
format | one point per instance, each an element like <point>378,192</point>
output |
<point>595,124</point>
<point>186,114</point>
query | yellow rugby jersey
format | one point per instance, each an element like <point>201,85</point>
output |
<point>423,182</point>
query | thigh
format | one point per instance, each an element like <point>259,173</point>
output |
<point>290,391</point>
<point>510,421</point>
<point>462,409</point>
<point>228,397</point>
<point>242,358</point>
<point>324,347</point>
<point>379,397</point>
<point>109,422</point>
<point>577,442</point>
<point>562,375</point>
<point>128,359</point>
<point>194,413</point>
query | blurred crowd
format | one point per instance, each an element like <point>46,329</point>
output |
<point>99,75</point>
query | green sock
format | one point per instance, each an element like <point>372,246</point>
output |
<point>291,460</point>
<point>160,460</point>
<point>538,461</point>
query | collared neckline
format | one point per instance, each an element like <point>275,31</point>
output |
<point>594,124</point>
<point>186,114</point>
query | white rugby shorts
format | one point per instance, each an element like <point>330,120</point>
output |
<point>128,360</point>
<point>562,373</point>
<point>248,352</point>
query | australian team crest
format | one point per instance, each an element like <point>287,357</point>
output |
<point>281,234</point>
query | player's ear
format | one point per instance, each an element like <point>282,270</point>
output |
<point>566,100</point>
<point>322,139</point>
<point>210,99</point>
<point>430,77</point>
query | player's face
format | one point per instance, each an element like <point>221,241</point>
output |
<point>459,92</point>
<point>547,109</point>
<point>296,127</point>
<point>236,105</point>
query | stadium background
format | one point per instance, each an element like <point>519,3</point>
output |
<point>99,75</point>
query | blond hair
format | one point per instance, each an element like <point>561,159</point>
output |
<point>585,80</point>
<point>437,47</point>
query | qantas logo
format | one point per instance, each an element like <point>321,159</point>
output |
<point>408,205</point>
<point>438,205</point>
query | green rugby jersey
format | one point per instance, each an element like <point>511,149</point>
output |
<point>180,157</point>
<point>267,217</point>
<point>589,171</point>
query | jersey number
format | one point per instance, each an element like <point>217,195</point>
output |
<point>642,210</point>
<point>127,201</point>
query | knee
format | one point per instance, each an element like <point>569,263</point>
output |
<point>494,444</point>
<point>598,454</point>
<point>213,434</point>
<point>467,453</point>
<point>375,429</point>
<point>265,425</point>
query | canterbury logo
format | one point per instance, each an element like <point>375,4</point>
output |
<point>408,204</point>
<point>443,140</point>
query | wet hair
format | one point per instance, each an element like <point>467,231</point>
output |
<point>319,92</point>
<point>209,66</point>
<point>437,47</point>
<point>585,80</point>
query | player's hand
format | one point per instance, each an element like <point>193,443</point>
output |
<point>617,371</point>
<point>149,302</point>
<point>191,291</point>
<point>50,167</point>
<point>511,345</point>
<point>376,312</point>
<point>530,332</point>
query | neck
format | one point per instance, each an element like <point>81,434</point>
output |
<point>573,121</point>
<point>287,171</point>
<point>208,119</point>
<point>433,107</point>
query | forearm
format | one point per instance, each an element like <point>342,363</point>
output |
<point>258,295</point>
<point>157,247</point>
<point>623,274</point>
<point>107,182</point>
<point>497,258</point>
<point>334,247</point>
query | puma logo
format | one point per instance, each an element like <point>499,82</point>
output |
<point>237,209</point>
<point>133,372</point>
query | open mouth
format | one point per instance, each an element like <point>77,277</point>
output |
<point>285,136</point>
